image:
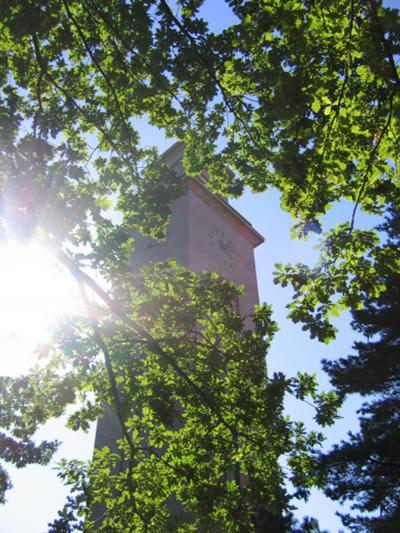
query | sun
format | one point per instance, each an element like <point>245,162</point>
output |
<point>35,292</point>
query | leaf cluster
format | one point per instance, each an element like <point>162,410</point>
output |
<point>202,427</point>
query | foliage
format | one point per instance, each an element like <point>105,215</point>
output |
<point>298,95</point>
<point>366,467</point>
<point>201,423</point>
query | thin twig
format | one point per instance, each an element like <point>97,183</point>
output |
<point>96,63</point>
<point>343,87</point>
<point>371,160</point>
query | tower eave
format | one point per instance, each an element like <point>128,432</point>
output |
<point>173,156</point>
<point>227,211</point>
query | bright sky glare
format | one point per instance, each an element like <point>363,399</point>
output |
<point>35,293</point>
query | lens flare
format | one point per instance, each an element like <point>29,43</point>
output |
<point>34,293</point>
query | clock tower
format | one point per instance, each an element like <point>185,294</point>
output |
<point>205,233</point>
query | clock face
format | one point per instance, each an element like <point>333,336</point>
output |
<point>223,247</point>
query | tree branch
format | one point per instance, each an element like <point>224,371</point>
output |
<point>154,346</point>
<point>343,87</point>
<point>100,129</point>
<point>115,395</point>
<point>227,97</point>
<point>371,160</point>
<point>96,63</point>
<point>386,44</point>
<point>91,4</point>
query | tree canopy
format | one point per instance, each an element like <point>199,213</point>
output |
<point>302,96</point>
